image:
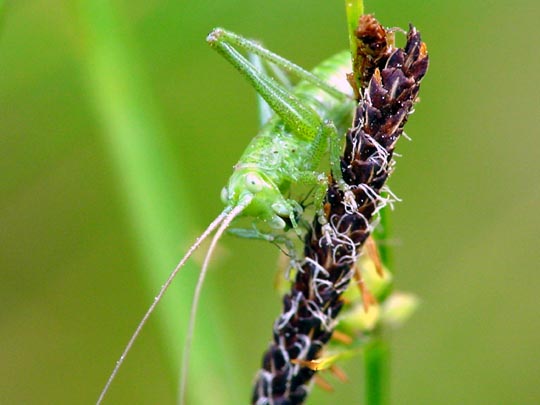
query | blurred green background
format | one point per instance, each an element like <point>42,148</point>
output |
<point>118,128</point>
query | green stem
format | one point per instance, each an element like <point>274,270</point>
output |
<point>354,9</point>
<point>377,351</point>
<point>376,368</point>
<point>382,234</point>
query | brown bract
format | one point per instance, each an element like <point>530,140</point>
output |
<point>374,44</point>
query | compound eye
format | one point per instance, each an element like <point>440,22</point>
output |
<point>254,183</point>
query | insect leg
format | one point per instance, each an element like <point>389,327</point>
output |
<point>288,66</point>
<point>330,135</point>
<point>302,119</point>
<point>264,110</point>
<point>281,75</point>
<point>265,66</point>
<point>277,239</point>
<point>334,139</point>
<point>319,181</point>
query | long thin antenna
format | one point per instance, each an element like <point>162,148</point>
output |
<point>158,297</point>
<point>194,305</point>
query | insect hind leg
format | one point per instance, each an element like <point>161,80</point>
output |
<point>302,119</point>
<point>264,110</point>
<point>279,62</point>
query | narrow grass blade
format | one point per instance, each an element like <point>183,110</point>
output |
<point>151,188</point>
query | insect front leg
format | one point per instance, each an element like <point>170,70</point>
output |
<point>329,135</point>
<point>319,181</point>
<point>278,239</point>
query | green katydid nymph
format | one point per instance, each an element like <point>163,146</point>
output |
<point>301,126</point>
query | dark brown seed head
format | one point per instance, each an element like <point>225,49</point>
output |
<point>311,307</point>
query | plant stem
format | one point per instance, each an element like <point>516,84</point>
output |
<point>382,234</point>
<point>376,367</point>
<point>354,9</point>
<point>377,352</point>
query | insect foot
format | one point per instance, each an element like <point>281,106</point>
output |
<point>214,36</point>
<point>315,299</point>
